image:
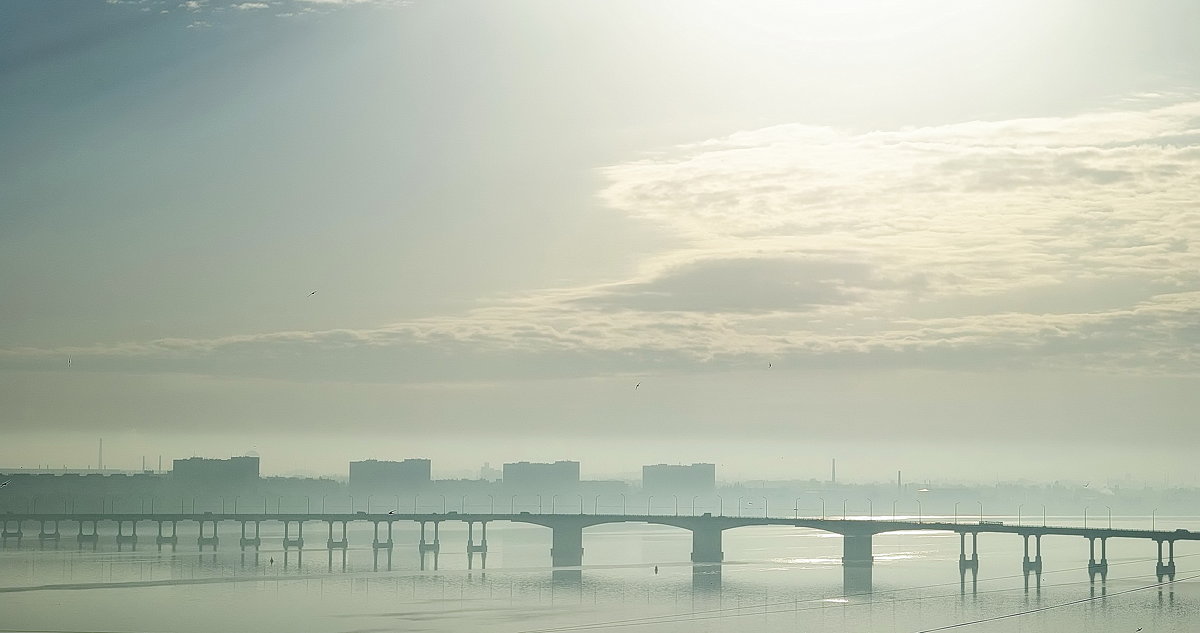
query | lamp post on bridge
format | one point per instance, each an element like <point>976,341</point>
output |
<point>323,504</point>
<point>539,504</point>
<point>676,504</point>
<point>740,506</point>
<point>235,500</point>
<point>980,511</point>
<point>512,505</point>
<point>648,500</point>
<point>764,507</point>
<point>720,506</point>
<point>822,500</point>
<point>491,504</point>
<point>581,504</point>
<point>1043,515</point>
<point>694,504</point>
<point>796,508</point>
<point>553,499</point>
<point>623,500</point>
<point>1019,514</point>
<point>870,509</point>
<point>1152,513</point>
<point>1085,509</point>
<point>462,506</point>
<point>1109,516</point>
<point>397,506</point>
<point>845,513</point>
<point>596,505</point>
<point>443,502</point>
<point>920,515</point>
<point>308,504</point>
<point>369,503</point>
<point>894,509</point>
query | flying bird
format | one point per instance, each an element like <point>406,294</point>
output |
<point>769,365</point>
<point>4,484</point>
<point>312,293</point>
<point>391,512</point>
<point>637,385</point>
<point>1087,484</point>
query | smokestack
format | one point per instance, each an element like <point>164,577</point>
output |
<point>833,471</point>
<point>100,459</point>
<point>899,482</point>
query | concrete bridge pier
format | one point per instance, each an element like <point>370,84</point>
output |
<point>435,547</point>
<point>344,543</point>
<point>377,544</point>
<point>1097,568</point>
<point>857,563</point>
<point>7,533</point>
<point>122,537</point>
<point>472,548</point>
<point>566,546</point>
<point>288,541</point>
<point>1165,570</point>
<point>706,545</point>
<point>43,535</point>
<point>255,541</point>
<point>965,563</point>
<point>92,538</point>
<point>1032,566</point>
<point>202,540</point>
<point>173,539</point>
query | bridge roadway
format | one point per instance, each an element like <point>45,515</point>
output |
<point>567,532</point>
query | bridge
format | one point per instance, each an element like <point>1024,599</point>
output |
<point>567,549</point>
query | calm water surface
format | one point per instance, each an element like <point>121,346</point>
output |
<point>775,578</point>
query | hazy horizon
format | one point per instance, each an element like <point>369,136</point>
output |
<point>953,238</point>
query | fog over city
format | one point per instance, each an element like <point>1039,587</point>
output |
<point>951,237</point>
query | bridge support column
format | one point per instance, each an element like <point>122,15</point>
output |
<point>202,540</point>
<point>43,535</point>
<point>122,537</point>
<point>965,563</point>
<point>435,547</point>
<point>706,545</point>
<point>1033,566</point>
<point>173,539</point>
<point>378,544</point>
<point>6,533</point>
<point>92,538</point>
<point>1166,570</point>
<point>288,541</point>
<point>342,544</point>
<point>472,548</point>
<point>566,549</point>
<point>1094,567</point>
<point>254,541</point>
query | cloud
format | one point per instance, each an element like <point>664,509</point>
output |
<point>249,6</point>
<point>1063,242</point>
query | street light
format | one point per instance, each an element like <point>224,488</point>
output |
<point>491,504</point>
<point>539,504</point>
<point>870,509</point>
<point>416,503</point>
<point>1109,516</point>
<point>308,504</point>
<point>956,512</point>
<point>796,508</point>
<point>622,503</point>
<point>1019,514</point>
<point>553,499</point>
<point>512,505</point>
<point>764,507</point>
<point>720,506</point>
<point>235,500</point>
<point>442,496</point>
<point>580,504</point>
<point>369,503</point>
<point>822,507</point>
<point>462,505</point>
<point>596,505</point>
<point>676,504</point>
<point>694,504</point>
<point>740,506</point>
<point>920,515</point>
<point>648,500</point>
<point>1085,509</point>
<point>1043,515</point>
<point>980,511</point>
<point>894,509</point>
<point>845,514</point>
<point>1152,513</point>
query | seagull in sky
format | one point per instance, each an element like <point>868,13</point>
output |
<point>312,293</point>
<point>1086,484</point>
<point>637,385</point>
<point>769,365</point>
<point>391,512</point>
<point>4,484</point>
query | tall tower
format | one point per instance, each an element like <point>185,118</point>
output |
<point>833,471</point>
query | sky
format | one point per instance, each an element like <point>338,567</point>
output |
<point>955,238</point>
